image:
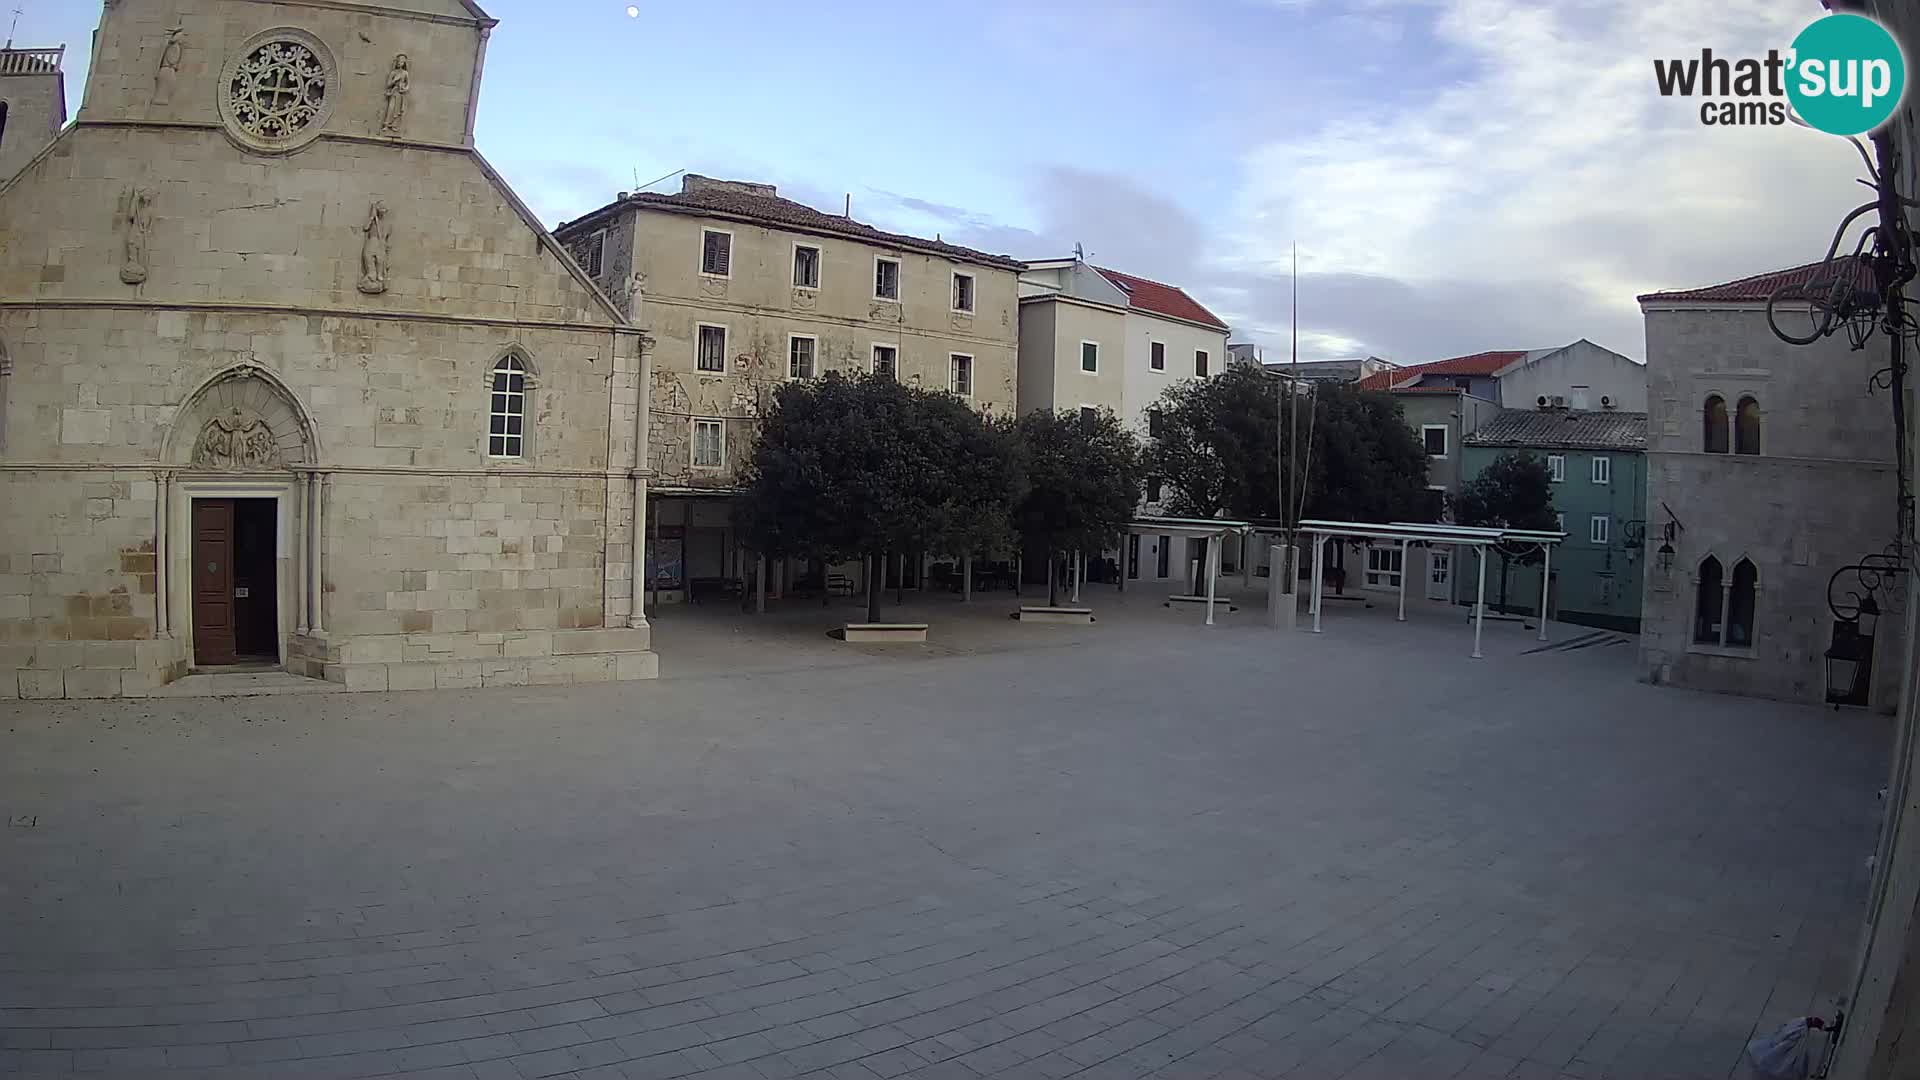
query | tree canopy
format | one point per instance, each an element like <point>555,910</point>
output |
<point>1514,491</point>
<point>1221,441</point>
<point>1083,480</point>
<point>853,467</point>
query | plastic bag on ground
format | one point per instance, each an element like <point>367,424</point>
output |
<point>1782,1054</point>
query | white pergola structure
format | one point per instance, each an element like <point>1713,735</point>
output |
<point>1406,533</point>
<point>1214,529</point>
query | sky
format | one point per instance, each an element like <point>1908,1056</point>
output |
<point>1457,175</point>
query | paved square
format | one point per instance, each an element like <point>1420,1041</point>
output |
<point>1141,848</point>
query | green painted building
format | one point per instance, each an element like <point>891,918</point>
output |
<point>1599,464</point>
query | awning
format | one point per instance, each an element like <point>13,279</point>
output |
<point>1404,533</point>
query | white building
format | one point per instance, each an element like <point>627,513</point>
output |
<point>1094,338</point>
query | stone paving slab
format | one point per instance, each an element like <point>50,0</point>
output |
<point>1140,848</point>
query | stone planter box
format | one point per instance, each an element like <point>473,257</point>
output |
<point>1054,614</point>
<point>883,633</point>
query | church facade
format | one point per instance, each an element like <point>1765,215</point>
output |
<point>290,377</point>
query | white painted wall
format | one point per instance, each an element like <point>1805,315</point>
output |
<point>1141,385</point>
<point>1602,371</point>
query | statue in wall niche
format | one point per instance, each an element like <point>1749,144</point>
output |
<point>137,220</point>
<point>236,441</point>
<point>399,81</point>
<point>373,250</point>
<point>636,285</point>
<point>169,72</point>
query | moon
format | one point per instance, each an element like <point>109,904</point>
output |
<point>632,12</point>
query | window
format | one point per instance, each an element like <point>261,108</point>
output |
<point>1556,467</point>
<point>1724,611</point>
<point>1580,396</point>
<point>1160,560</point>
<point>1746,427</point>
<point>589,252</point>
<point>505,435</point>
<point>799,356</point>
<point>1153,496</point>
<point>886,278</point>
<point>1089,414</point>
<point>806,266</point>
<point>1090,356</point>
<point>710,350</point>
<point>709,444</point>
<point>716,253</point>
<point>1714,415</point>
<point>6,374</point>
<point>1155,423</point>
<point>1560,521</point>
<point>1435,436</point>
<point>1599,526</point>
<point>1707,607</point>
<point>3,121</point>
<point>961,367</point>
<point>1740,603</point>
<point>1200,362</point>
<point>886,361</point>
<point>1603,470</point>
<point>963,293</point>
<point>1383,566</point>
<point>1158,361</point>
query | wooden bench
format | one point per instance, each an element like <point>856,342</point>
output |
<point>1054,614</point>
<point>883,633</point>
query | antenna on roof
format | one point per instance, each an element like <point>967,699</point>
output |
<point>1079,253</point>
<point>10,29</point>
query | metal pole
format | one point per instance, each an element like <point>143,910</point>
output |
<point>1480,600</point>
<point>966,578</point>
<point>1546,575</point>
<point>1213,575</point>
<point>1403,581</point>
<point>760,583</point>
<point>1319,564</point>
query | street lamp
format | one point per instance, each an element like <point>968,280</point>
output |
<point>1850,657</point>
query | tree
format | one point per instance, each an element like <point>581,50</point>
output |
<point>1515,491</point>
<point>1083,481</point>
<point>851,468</point>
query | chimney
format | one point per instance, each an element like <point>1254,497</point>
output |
<point>693,182</point>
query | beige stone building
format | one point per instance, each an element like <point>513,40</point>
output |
<point>743,290</point>
<point>296,379</point>
<point>33,104</point>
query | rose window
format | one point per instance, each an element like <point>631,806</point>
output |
<point>278,91</point>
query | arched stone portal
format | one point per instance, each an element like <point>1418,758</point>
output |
<point>242,528</point>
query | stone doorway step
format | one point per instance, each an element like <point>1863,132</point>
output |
<point>257,682</point>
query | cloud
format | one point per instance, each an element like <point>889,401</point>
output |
<point>1551,174</point>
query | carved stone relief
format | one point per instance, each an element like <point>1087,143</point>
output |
<point>374,249</point>
<point>399,81</point>
<point>636,290</point>
<point>236,441</point>
<point>806,299</point>
<point>169,72</point>
<point>713,286</point>
<point>136,222</point>
<point>883,312</point>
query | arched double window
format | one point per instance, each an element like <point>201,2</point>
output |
<point>1724,609</point>
<point>1746,427</point>
<point>507,419</point>
<point>1714,419</point>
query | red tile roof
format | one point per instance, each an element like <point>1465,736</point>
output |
<point>1759,287</point>
<point>1169,300</point>
<point>1480,363</point>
